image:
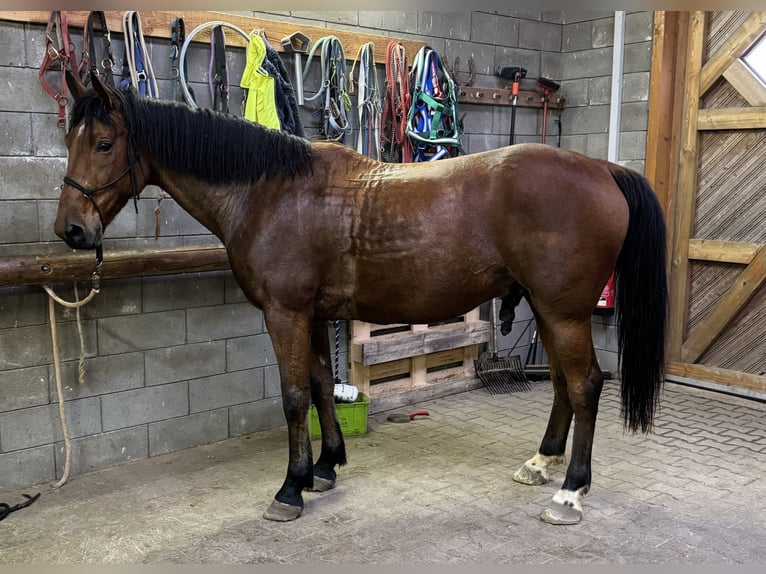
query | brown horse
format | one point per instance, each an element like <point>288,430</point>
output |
<point>316,231</point>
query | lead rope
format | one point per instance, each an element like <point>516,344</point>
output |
<point>396,104</point>
<point>368,102</point>
<point>137,65</point>
<point>52,300</point>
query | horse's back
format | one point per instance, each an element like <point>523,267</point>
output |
<point>452,233</point>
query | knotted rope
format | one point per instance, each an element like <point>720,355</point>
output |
<point>52,300</point>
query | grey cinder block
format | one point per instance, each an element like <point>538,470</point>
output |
<point>106,449</point>
<point>140,406</point>
<point>218,391</point>
<point>456,25</point>
<point>37,426</point>
<point>22,306</point>
<point>167,292</point>
<point>184,362</point>
<point>223,321</point>
<point>15,131</point>
<point>399,21</point>
<point>249,352</point>
<point>540,36</point>
<point>141,332</point>
<point>188,431</point>
<point>18,222</point>
<point>31,346</point>
<point>483,56</point>
<point>577,37</point>
<point>103,375</point>
<point>24,468</point>
<point>256,416</point>
<point>587,64</point>
<point>30,177</point>
<point>494,29</point>
<point>23,388</point>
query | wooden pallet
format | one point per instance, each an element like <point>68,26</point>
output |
<point>390,359</point>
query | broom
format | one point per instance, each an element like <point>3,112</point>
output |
<point>500,375</point>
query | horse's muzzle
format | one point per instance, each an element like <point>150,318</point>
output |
<point>78,238</point>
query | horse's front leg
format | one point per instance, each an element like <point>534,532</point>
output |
<point>322,385</point>
<point>291,337</point>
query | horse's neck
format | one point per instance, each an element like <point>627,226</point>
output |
<point>214,206</point>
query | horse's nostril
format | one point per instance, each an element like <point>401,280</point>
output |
<point>75,232</point>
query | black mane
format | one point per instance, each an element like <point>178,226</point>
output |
<point>211,146</point>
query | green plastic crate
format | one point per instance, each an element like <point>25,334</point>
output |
<point>351,416</point>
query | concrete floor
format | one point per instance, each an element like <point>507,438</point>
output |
<point>435,490</point>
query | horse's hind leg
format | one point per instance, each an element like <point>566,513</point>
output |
<point>576,393</point>
<point>322,384</point>
<point>552,449</point>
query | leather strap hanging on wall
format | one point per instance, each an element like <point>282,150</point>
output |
<point>137,65</point>
<point>177,39</point>
<point>218,78</point>
<point>89,60</point>
<point>59,51</point>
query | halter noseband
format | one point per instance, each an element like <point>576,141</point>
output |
<point>89,193</point>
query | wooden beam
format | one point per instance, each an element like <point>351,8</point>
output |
<point>737,44</point>
<point>744,81</point>
<point>665,111</point>
<point>387,348</point>
<point>156,24</point>
<point>687,189</point>
<point>732,119</point>
<point>737,296</point>
<point>49,269</point>
<point>722,251</point>
<point>717,375</point>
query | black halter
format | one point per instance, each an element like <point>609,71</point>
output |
<point>90,192</point>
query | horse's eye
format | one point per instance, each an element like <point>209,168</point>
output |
<point>103,146</point>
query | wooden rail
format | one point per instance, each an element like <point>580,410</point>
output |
<point>156,24</point>
<point>48,269</point>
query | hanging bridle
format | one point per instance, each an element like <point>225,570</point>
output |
<point>89,61</point>
<point>59,51</point>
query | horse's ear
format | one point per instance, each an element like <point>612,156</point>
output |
<point>102,91</point>
<point>76,88</point>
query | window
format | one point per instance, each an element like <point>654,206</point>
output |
<point>755,59</point>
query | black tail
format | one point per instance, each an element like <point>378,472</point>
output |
<point>642,301</point>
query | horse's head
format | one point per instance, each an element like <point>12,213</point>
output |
<point>101,168</point>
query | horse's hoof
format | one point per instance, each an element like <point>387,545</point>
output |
<point>281,512</point>
<point>561,514</point>
<point>322,484</point>
<point>526,475</point>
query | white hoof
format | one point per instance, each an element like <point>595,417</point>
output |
<point>565,508</point>
<point>534,472</point>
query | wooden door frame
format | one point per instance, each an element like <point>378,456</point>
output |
<point>678,82</point>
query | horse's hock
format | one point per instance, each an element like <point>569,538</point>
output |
<point>387,360</point>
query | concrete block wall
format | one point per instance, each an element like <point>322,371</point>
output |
<point>176,361</point>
